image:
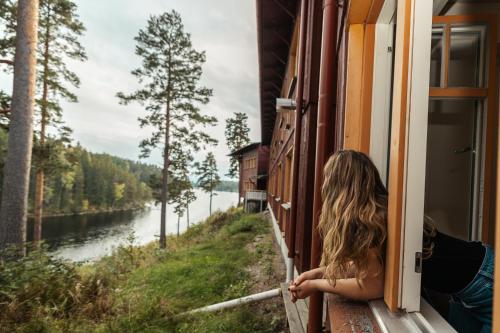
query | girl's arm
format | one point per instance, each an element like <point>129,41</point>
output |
<point>349,288</point>
<point>313,274</point>
<point>371,287</point>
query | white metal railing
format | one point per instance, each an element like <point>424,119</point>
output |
<point>256,195</point>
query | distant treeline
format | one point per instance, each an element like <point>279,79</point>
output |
<point>227,186</point>
<point>81,181</point>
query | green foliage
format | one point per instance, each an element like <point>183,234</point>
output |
<point>236,137</point>
<point>245,224</point>
<point>208,176</point>
<point>53,157</point>
<point>7,47</point>
<point>59,30</point>
<point>37,285</point>
<point>8,19</point>
<point>227,186</point>
<point>141,289</point>
<point>180,189</point>
<point>80,181</point>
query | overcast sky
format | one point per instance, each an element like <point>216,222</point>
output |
<point>225,29</point>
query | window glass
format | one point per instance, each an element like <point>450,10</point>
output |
<point>466,56</point>
<point>450,184</point>
<point>436,70</point>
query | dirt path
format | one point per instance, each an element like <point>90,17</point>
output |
<point>267,273</point>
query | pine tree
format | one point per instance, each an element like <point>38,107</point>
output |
<point>208,176</point>
<point>8,16</point>
<point>13,211</point>
<point>59,31</point>
<point>181,192</point>
<point>189,197</point>
<point>236,138</point>
<point>170,72</point>
<point>8,22</point>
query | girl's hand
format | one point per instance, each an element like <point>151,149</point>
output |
<point>308,275</point>
<point>303,290</point>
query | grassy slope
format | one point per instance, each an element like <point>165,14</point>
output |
<point>141,289</point>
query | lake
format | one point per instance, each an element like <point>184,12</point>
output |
<point>90,236</point>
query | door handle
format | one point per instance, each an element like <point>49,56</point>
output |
<point>463,150</point>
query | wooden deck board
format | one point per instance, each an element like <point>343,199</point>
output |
<point>294,312</point>
<point>303,310</point>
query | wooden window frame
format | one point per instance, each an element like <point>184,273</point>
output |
<point>407,153</point>
<point>362,19</point>
<point>382,88</point>
<point>279,190</point>
<point>406,95</point>
<point>288,175</point>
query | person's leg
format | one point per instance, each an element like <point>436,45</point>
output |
<point>486,329</point>
<point>478,296</point>
<point>462,319</point>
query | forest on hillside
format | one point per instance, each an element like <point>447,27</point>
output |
<point>79,181</point>
<point>227,186</point>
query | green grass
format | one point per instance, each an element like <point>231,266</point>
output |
<point>144,289</point>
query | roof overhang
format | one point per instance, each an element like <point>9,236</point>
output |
<point>275,24</point>
<point>245,149</point>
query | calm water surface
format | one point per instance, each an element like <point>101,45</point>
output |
<point>87,237</point>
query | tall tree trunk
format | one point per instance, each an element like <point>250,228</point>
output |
<point>211,194</point>
<point>40,174</point>
<point>164,188</point>
<point>187,213</point>
<point>178,224</point>
<point>18,161</point>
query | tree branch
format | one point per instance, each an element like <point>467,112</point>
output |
<point>7,62</point>
<point>4,111</point>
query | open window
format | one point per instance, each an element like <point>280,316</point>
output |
<point>461,121</point>
<point>279,194</point>
<point>288,179</point>
<point>432,121</point>
<point>460,125</point>
<point>450,146</point>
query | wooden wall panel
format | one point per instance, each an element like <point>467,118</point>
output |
<point>359,83</point>
<point>308,142</point>
<point>306,187</point>
<point>361,18</point>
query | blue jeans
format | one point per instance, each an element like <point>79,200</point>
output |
<point>477,297</point>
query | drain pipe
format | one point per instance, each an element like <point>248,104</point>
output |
<point>324,140</point>
<point>239,301</point>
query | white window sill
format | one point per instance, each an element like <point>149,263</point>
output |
<point>427,320</point>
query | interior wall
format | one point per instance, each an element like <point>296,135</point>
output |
<point>475,7</point>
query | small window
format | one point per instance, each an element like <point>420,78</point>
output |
<point>288,178</point>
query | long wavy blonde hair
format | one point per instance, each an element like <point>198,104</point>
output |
<point>354,215</point>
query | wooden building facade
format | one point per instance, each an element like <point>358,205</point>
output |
<point>412,83</point>
<point>253,165</point>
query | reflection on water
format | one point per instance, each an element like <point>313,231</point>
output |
<point>86,237</point>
